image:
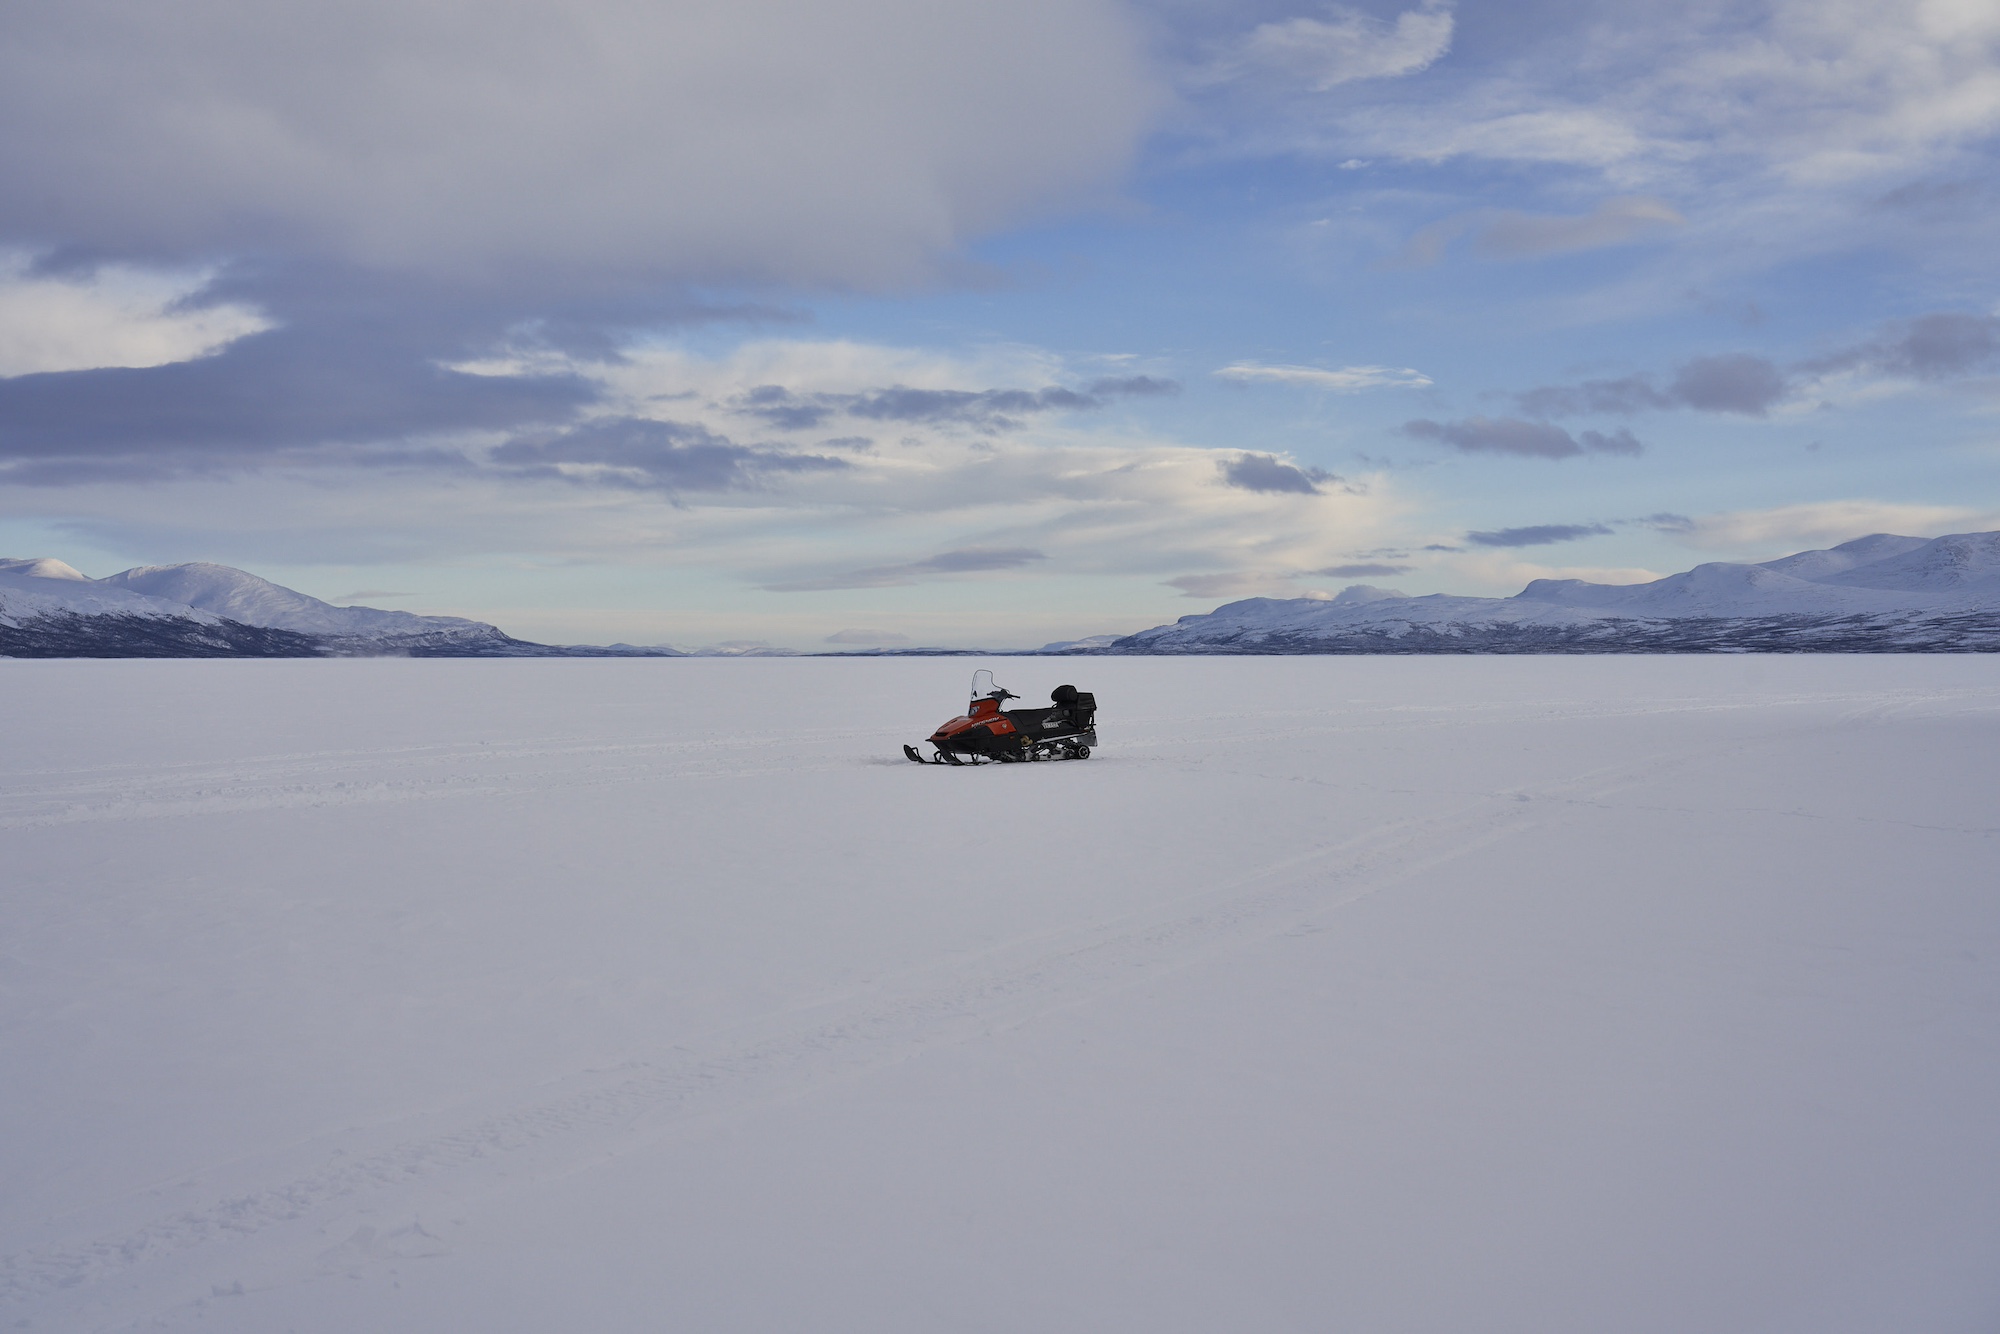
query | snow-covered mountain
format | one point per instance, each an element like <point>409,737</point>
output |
<point>243,597</point>
<point>1881,593</point>
<point>43,586</point>
<point>1092,644</point>
<point>50,609</point>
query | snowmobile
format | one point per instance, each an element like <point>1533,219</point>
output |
<point>983,733</point>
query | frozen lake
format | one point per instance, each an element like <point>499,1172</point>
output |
<point>1413,995</point>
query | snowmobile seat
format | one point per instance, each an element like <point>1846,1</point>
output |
<point>1078,706</point>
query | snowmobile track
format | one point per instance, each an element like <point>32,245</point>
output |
<point>845,1038</point>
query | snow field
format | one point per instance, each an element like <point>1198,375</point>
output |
<point>1418,994</point>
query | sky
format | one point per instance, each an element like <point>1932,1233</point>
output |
<point>926,322</point>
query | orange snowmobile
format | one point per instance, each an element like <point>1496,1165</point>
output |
<point>984,733</point>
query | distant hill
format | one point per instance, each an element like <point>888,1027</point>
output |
<point>1876,594</point>
<point>200,610</point>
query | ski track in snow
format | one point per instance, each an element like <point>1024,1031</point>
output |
<point>1008,986</point>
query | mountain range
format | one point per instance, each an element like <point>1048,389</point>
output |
<point>1876,594</point>
<point>50,610</point>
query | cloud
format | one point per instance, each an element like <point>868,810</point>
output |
<point>984,409</point>
<point>1266,472</point>
<point>365,593</point>
<point>1509,234</point>
<point>1133,386</point>
<point>1342,48</point>
<point>1935,348</point>
<point>1784,529</point>
<point>1361,571</point>
<point>1346,380</point>
<point>1939,346</point>
<point>1724,91</point>
<point>113,315</point>
<point>867,637</point>
<point>636,457</point>
<point>1237,584</point>
<point>970,560</point>
<point>1537,535</point>
<point>1738,382</point>
<point>1790,121</point>
<point>331,381</point>
<point>670,456</point>
<point>714,140</point>
<point>1625,395</point>
<point>1512,435</point>
<point>1616,221</point>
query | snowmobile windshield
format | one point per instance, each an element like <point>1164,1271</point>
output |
<point>984,688</point>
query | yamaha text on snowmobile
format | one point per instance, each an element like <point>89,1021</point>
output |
<point>983,733</point>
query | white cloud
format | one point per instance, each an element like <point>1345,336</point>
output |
<point>1574,136</point>
<point>1785,529</point>
<point>1809,94</point>
<point>655,370</point>
<point>1499,574</point>
<point>1086,490</point>
<point>781,140</point>
<point>1239,584</point>
<point>1344,47</point>
<point>1345,380</point>
<point>114,316</point>
<point>869,637</point>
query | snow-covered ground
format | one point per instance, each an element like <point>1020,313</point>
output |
<point>1414,995</point>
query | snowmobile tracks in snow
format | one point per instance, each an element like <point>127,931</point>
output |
<point>596,1114</point>
<point>140,1272</point>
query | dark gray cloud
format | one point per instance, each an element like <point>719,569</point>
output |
<point>981,409</point>
<point>356,372</point>
<point>1514,235</point>
<point>1932,200</point>
<point>1267,472</point>
<point>976,558</point>
<point>1133,386</point>
<point>1733,382</point>
<point>1943,345</point>
<point>1361,571</point>
<point>1623,396</point>
<point>967,560</point>
<point>316,382</point>
<point>400,191</point>
<point>775,404</point>
<point>1739,382</point>
<point>1940,346</point>
<point>1529,439</point>
<point>1511,234</point>
<point>668,456</point>
<point>1536,535</point>
<point>846,147</point>
<point>989,409</point>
